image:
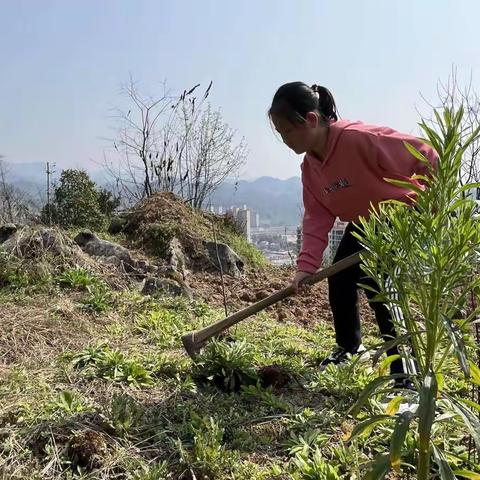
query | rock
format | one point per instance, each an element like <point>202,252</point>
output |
<point>6,231</point>
<point>175,256</point>
<point>106,251</point>
<point>31,242</point>
<point>166,286</point>
<point>230,262</point>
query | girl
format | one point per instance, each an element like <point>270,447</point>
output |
<point>343,171</point>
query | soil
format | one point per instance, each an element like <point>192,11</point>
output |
<point>274,376</point>
<point>306,308</point>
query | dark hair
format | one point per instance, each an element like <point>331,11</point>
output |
<point>294,100</point>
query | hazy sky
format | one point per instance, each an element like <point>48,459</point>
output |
<point>63,63</point>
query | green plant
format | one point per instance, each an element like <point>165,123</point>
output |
<point>157,471</point>
<point>76,277</point>
<point>207,458</point>
<point>99,298</point>
<point>75,202</point>
<point>123,414</point>
<point>424,261</point>
<point>101,361</point>
<point>227,365</point>
<point>69,402</point>
<point>310,465</point>
<point>116,367</point>
<point>162,325</point>
<point>345,381</point>
<point>266,397</point>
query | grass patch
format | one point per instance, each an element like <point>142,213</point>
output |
<point>123,400</point>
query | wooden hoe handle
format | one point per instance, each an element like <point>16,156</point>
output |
<point>193,341</point>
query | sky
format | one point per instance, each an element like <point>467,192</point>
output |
<point>64,62</point>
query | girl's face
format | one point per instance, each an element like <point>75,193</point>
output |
<point>300,137</point>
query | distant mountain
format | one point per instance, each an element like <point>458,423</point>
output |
<point>279,202</point>
<point>32,176</point>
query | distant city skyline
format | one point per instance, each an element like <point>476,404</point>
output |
<point>66,61</point>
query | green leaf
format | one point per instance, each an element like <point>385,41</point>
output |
<point>378,468</point>
<point>417,154</point>
<point>470,420</point>
<point>393,405</point>
<point>471,404</point>
<point>388,345</point>
<point>446,472</point>
<point>366,426</point>
<point>440,381</point>
<point>369,390</point>
<point>404,184</point>
<point>468,186</point>
<point>467,474</point>
<point>426,412</point>
<point>402,425</point>
<point>474,373</point>
<point>458,345</point>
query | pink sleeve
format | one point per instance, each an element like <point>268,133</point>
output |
<point>317,222</point>
<point>394,158</point>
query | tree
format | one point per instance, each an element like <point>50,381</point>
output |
<point>452,96</point>
<point>107,201</point>
<point>75,202</point>
<point>172,143</point>
<point>214,155</point>
<point>15,204</point>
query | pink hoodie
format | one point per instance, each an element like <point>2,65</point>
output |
<point>351,176</point>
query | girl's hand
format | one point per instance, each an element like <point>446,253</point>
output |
<point>299,276</point>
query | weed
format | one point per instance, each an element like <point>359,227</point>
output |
<point>311,465</point>
<point>207,458</point>
<point>163,326</point>
<point>157,471</point>
<point>123,414</point>
<point>99,298</point>
<point>76,277</point>
<point>102,362</point>
<point>69,402</point>
<point>227,365</point>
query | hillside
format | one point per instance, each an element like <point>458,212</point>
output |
<point>95,384</point>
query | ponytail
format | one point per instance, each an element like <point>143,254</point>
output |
<point>294,100</point>
<point>326,103</point>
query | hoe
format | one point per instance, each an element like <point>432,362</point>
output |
<point>194,341</point>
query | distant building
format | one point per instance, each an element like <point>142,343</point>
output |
<point>220,210</point>
<point>243,221</point>
<point>255,220</point>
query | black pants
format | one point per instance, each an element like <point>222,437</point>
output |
<point>343,296</point>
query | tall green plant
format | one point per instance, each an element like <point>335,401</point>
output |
<point>424,259</point>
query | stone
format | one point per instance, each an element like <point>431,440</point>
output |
<point>106,251</point>
<point>166,286</point>
<point>231,264</point>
